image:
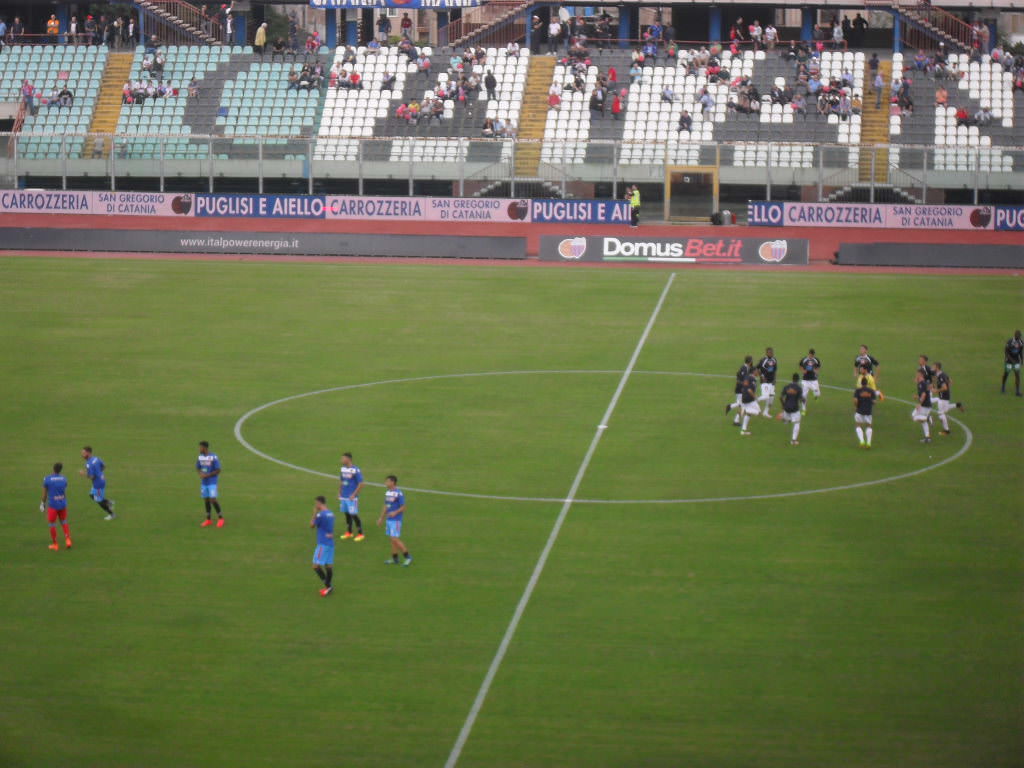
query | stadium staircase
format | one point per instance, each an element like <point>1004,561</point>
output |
<point>494,23</point>
<point>875,130</point>
<point>534,115</point>
<point>925,26</point>
<point>108,105</point>
<point>180,23</point>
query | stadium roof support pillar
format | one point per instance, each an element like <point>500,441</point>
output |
<point>529,26</point>
<point>897,33</point>
<point>352,27</point>
<point>331,27</point>
<point>715,23</point>
<point>807,23</point>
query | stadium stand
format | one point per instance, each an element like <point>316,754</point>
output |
<point>972,86</point>
<point>49,69</point>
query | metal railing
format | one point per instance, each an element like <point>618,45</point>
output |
<point>932,26</point>
<point>193,16</point>
<point>855,173</point>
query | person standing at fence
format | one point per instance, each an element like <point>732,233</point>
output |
<point>634,206</point>
<point>259,44</point>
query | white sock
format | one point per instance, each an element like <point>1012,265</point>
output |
<point>860,434</point>
<point>796,430</point>
<point>945,422</point>
<point>746,421</point>
<point>771,402</point>
<point>868,431</point>
<point>924,426</point>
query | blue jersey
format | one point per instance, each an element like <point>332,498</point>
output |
<point>208,462</point>
<point>94,467</point>
<point>394,500</point>
<point>351,477</point>
<point>56,491</point>
<point>324,524</point>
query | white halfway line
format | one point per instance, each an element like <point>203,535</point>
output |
<point>510,631</point>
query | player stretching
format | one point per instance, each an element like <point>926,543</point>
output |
<point>94,468</point>
<point>810,366</point>
<point>323,555</point>
<point>55,499</point>
<point>945,401</point>
<point>741,375</point>
<point>923,410</point>
<point>766,368</point>
<point>394,508</point>
<point>208,467</point>
<point>1014,354</point>
<point>792,401</point>
<point>865,365</point>
<point>863,403</point>
<point>351,485</point>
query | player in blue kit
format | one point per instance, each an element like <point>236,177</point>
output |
<point>348,495</point>
<point>323,555</point>
<point>55,504</point>
<point>94,470</point>
<point>208,467</point>
<point>394,509</point>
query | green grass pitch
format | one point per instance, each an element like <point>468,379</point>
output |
<point>876,626</point>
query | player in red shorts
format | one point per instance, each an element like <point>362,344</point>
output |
<point>55,499</point>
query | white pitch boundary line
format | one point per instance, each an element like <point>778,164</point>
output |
<point>513,625</point>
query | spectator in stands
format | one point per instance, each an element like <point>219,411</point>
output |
<point>667,94</point>
<point>847,79</point>
<point>383,28</point>
<point>491,84</point>
<point>857,104</point>
<point>151,45</point>
<point>306,78</point>
<point>737,31</point>
<point>844,107</point>
<point>920,61</point>
<point>259,43</point>
<point>52,29</point>
<point>436,110</point>
<point>18,30</point>
<point>707,101</point>
<point>387,82</point>
<point>355,81</point>
<point>616,105</point>
<point>278,49</point>
<point>406,47</point>
<point>554,32</point>
<point>158,63</point>
<point>3,33</point>
<point>983,116</point>
<point>555,96</point>
<point>405,26</point>
<point>860,25</point>
<point>512,49</point>
<point>771,36</point>
<point>813,85</point>
<point>147,63</point>
<point>685,122</point>
<point>126,92</point>
<point>941,97</point>
<point>878,84</point>
<point>423,64</point>
<point>650,52</point>
<point>962,116</point>
<point>373,47</point>
<point>756,33</point>
<point>597,103</point>
<point>193,88</point>
<point>1018,80</point>
<point>293,80</point>
<point>837,36</point>
<point>799,105</point>
<point>499,128</point>
<point>488,129</point>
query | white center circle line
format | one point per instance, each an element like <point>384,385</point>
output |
<point>968,441</point>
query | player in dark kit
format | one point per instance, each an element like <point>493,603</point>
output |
<point>1014,355</point>
<point>945,402</point>
<point>748,398</point>
<point>924,369</point>
<point>810,365</point>
<point>741,375</point>
<point>792,403</point>
<point>865,363</point>
<point>863,403</point>
<point>767,367</point>
<point>923,410</point>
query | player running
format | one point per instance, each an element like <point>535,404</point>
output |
<point>767,367</point>
<point>1013,354</point>
<point>923,410</point>
<point>945,400</point>
<point>323,555</point>
<point>94,470</point>
<point>792,402</point>
<point>924,369</point>
<point>741,375</point>
<point>748,398</point>
<point>810,365</point>
<point>208,467</point>
<point>394,509</point>
<point>348,495</point>
<point>55,503</point>
<point>865,365</point>
<point>864,398</point>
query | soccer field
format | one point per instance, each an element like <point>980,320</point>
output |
<point>709,600</point>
